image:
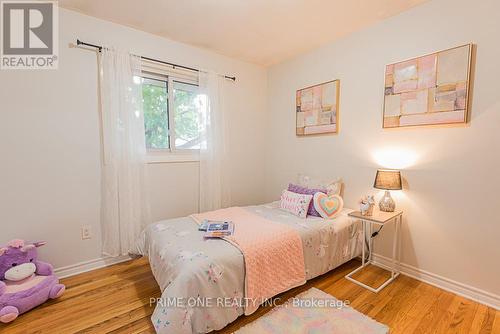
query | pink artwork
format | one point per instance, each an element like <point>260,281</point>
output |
<point>317,109</point>
<point>428,90</point>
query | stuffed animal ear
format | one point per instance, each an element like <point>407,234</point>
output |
<point>27,247</point>
<point>33,245</point>
<point>2,251</point>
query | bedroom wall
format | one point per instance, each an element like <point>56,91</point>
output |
<point>50,144</point>
<point>451,200</point>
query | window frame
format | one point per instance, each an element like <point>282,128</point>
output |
<point>171,154</point>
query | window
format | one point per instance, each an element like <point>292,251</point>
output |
<point>155,104</point>
<point>171,113</point>
<point>187,116</point>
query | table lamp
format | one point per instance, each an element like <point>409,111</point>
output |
<point>387,179</point>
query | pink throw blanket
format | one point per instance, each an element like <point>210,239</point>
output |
<point>274,258</point>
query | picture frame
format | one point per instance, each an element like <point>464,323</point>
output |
<point>317,109</point>
<point>428,90</point>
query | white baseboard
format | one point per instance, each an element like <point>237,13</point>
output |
<point>444,283</point>
<point>83,267</point>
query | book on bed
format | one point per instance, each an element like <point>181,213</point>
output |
<point>216,229</point>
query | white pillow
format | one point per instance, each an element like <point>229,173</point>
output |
<point>296,204</point>
<point>332,186</point>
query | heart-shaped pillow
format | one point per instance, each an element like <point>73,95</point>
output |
<point>328,206</point>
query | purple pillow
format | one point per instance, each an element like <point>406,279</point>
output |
<point>306,191</point>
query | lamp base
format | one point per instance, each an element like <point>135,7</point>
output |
<point>387,204</point>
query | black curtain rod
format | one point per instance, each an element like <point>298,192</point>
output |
<point>78,42</point>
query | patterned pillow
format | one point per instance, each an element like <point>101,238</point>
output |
<point>296,204</point>
<point>328,206</point>
<point>306,191</point>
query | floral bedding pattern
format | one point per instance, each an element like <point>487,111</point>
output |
<point>202,281</point>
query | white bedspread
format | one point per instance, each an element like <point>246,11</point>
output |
<point>202,281</point>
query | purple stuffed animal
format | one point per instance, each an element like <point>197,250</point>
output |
<point>25,282</point>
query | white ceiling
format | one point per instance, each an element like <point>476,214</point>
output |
<point>264,32</point>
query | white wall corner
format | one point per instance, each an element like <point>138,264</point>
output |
<point>441,282</point>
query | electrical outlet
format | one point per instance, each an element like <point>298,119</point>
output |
<point>86,232</point>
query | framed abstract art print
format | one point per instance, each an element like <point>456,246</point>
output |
<point>317,109</point>
<point>428,90</point>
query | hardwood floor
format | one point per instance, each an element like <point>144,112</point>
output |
<point>116,300</point>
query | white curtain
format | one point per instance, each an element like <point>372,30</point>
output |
<point>214,190</point>
<point>124,207</point>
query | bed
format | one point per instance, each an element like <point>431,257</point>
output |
<point>202,280</point>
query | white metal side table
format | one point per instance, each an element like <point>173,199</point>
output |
<point>379,218</point>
